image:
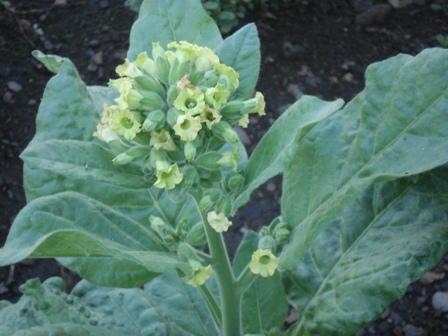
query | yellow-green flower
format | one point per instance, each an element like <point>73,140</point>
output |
<point>244,121</point>
<point>162,140</point>
<point>167,176</point>
<point>260,104</point>
<point>128,69</point>
<point>125,124</point>
<point>121,85</point>
<point>103,132</point>
<point>210,117</point>
<point>131,99</point>
<point>200,274</point>
<point>145,63</point>
<point>203,57</point>
<point>190,101</point>
<point>264,262</point>
<point>216,96</point>
<point>218,222</point>
<point>228,75</point>
<point>187,127</point>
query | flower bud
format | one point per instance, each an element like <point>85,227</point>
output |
<point>153,121</point>
<point>235,182</point>
<point>132,154</point>
<point>150,101</point>
<point>196,236</point>
<point>209,160</point>
<point>161,62</point>
<point>190,176</point>
<point>231,158</point>
<point>165,232</point>
<point>281,232</point>
<point>149,83</point>
<point>224,205</point>
<point>189,151</point>
<point>186,253</point>
<point>266,243</point>
<point>225,132</point>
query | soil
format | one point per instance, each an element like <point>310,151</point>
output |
<point>318,48</point>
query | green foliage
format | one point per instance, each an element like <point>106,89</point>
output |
<point>226,13</point>
<point>365,191</point>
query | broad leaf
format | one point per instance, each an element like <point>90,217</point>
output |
<point>119,251</point>
<point>52,62</point>
<point>385,239</point>
<point>241,51</point>
<point>278,146</point>
<point>396,127</point>
<point>167,306</point>
<point>165,21</point>
<point>264,304</point>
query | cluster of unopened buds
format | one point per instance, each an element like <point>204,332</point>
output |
<point>175,116</point>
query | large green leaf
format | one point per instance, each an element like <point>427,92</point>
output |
<point>167,306</point>
<point>277,148</point>
<point>264,304</point>
<point>396,127</point>
<point>165,21</point>
<point>387,238</point>
<point>241,51</point>
<point>119,251</point>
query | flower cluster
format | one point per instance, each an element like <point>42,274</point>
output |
<point>172,110</point>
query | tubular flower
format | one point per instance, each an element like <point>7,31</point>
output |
<point>200,274</point>
<point>190,101</point>
<point>216,96</point>
<point>167,177</point>
<point>203,57</point>
<point>228,76</point>
<point>128,69</point>
<point>125,124</point>
<point>264,262</point>
<point>210,117</point>
<point>162,140</point>
<point>187,127</point>
<point>219,223</point>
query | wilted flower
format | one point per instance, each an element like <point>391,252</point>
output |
<point>162,140</point>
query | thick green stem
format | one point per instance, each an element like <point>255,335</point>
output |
<point>230,296</point>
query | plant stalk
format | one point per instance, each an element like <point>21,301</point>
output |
<point>230,296</point>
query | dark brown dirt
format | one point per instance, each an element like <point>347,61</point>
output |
<point>319,49</point>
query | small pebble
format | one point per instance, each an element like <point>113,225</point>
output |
<point>14,86</point>
<point>7,97</point>
<point>60,3</point>
<point>440,301</point>
<point>98,58</point>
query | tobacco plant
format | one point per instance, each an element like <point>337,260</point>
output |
<point>133,186</point>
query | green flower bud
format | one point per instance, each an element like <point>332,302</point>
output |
<point>146,64</point>
<point>189,151</point>
<point>172,116</point>
<point>178,70</point>
<point>172,94</point>
<point>206,203</point>
<point>149,83</point>
<point>196,236</point>
<point>225,132</point>
<point>235,182</point>
<point>209,160</point>
<point>153,121</point>
<point>224,205</point>
<point>186,253</point>
<point>190,176</point>
<point>151,101</point>
<point>132,154</point>
<point>164,231</point>
<point>281,232</point>
<point>266,243</point>
<point>231,158</point>
<point>161,61</point>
